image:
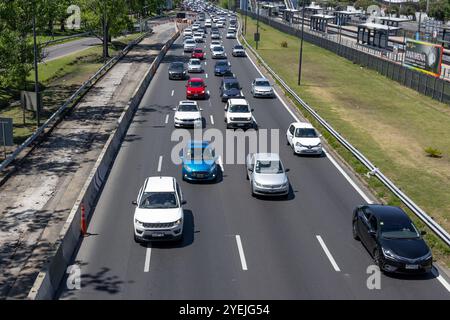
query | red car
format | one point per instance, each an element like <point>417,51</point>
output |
<point>198,54</point>
<point>196,88</point>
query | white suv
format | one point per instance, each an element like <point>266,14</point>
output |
<point>159,213</point>
<point>238,114</point>
<point>303,138</point>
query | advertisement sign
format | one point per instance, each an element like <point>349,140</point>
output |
<point>6,132</point>
<point>423,56</point>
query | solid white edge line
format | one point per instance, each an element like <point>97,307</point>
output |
<point>441,279</point>
<point>327,252</point>
<point>212,119</point>
<point>148,254</point>
<point>241,253</point>
<point>160,163</point>
<point>334,162</point>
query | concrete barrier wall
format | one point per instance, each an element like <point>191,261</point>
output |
<point>49,279</point>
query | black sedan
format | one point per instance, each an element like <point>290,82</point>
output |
<point>177,70</point>
<point>392,239</point>
<point>221,67</point>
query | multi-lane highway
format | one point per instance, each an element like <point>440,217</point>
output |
<point>235,246</point>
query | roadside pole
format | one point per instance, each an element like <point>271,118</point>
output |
<point>36,74</point>
<point>301,45</point>
<point>4,138</point>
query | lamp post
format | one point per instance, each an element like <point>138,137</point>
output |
<point>36,73</point>
<point>301,45</point>
<point>257,25</point>
<point>246,8</point>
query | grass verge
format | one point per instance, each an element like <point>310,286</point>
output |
<point>391,124</point>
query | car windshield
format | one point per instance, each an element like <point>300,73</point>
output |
<point>195,84</point>
<point>217,49</point>
<point>198,51</point>
<point>398,230</point>
<point>199,153</point>
<point>176,66</point>
<point>159,200</point>
<point>306,133</point>
<point>239,108</point>
<point>195,62</point>
<point>232,85</point>
<point>268,167</point>
<point>187,108</point>
<point>239,47</point>
<point>222,64</point>
<point>190,41</point>
<point>262,83</point>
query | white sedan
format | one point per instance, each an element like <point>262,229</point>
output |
<point>187,114</point>
<point>303,139</point>
<point>195,65</point>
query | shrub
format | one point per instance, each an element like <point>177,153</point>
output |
<point>284,44</point>
<point>433,152</point>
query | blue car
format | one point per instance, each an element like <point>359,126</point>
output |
<point>199,162</point>
<point>221,67</point>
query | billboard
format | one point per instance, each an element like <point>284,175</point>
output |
<point>423,56</point>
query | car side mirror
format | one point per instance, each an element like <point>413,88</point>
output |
<point>253,109</point>
<point>174,109</point>
<point>183,202</point>
<point>320,136</point>
<point>134,203</point>
<point>201,109</point>
<point>423,232</point>
<point>287,170</point>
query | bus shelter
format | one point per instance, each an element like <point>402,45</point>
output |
<point>319,22</point>
<point>375,34</point>
<point>341,18</point>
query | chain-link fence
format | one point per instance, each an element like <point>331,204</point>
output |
<point>385,62</point>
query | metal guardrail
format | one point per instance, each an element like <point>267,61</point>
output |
<point>373,170</point>
<point>84,87</point>
<point>43,44</point>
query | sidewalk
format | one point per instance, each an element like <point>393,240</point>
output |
<point>36,201</point>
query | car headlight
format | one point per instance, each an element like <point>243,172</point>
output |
<point>389,254</point>
<point>249,118</point>
<point>319,144</point>
<point>298,144</point>
<point>189,91</point>
<point>178,222</point>
<point>258,184</point>
<point>176,119</point>
<point>138,222</point>
<point>187,168</point>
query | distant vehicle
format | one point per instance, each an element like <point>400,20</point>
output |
<point>221,67</point>
<point>231,35</point>
<point>198,53</point>
<point>218,52</point>
<point>392,239</point>
<point>199,162</point>
<point>238,51</point>
<point>198,37</point>
<point>238,114</point>
<point>230,89</point>
<point>215,43</point>
<point>195,65</point>
<point>189,45</point>
<point>303,139</point>
<point>196,89</point>
<point>220,24</point>
<point>187,114</point>
<point>215,35</point>
<point>267,175</point>
<point>187,33</point>
<point>262,88</point>
<point>159,214</point>
<point>177,71</point>
<point>208,23</point>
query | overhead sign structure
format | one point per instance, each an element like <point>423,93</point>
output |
<point>424,57</point>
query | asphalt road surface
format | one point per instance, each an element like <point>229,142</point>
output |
<point>64,49</point>
<point>235,246</point>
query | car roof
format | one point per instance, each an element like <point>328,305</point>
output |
<point>261,79</point>
<point>230,79</point>
<point>267,156</point>
<point>237,101</point>
<point>387,213</point>
<point>303,125</point>
<point>197,144</point>
<point>177,63</point>
<point>159,184</point>
<point>196,80</point>
<point>186,102</point>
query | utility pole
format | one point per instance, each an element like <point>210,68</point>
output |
<point>36,72</point>
<point>257,25</point>
<point>301,45</point>
<point>105,32</point>
<point>246,8</point>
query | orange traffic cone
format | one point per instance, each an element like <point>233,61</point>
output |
<point>83,220</point>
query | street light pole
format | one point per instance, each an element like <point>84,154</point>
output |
<point>301,45</point>
<point>246,8</point>
<point>257,24</point>
<point>36,72</point>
